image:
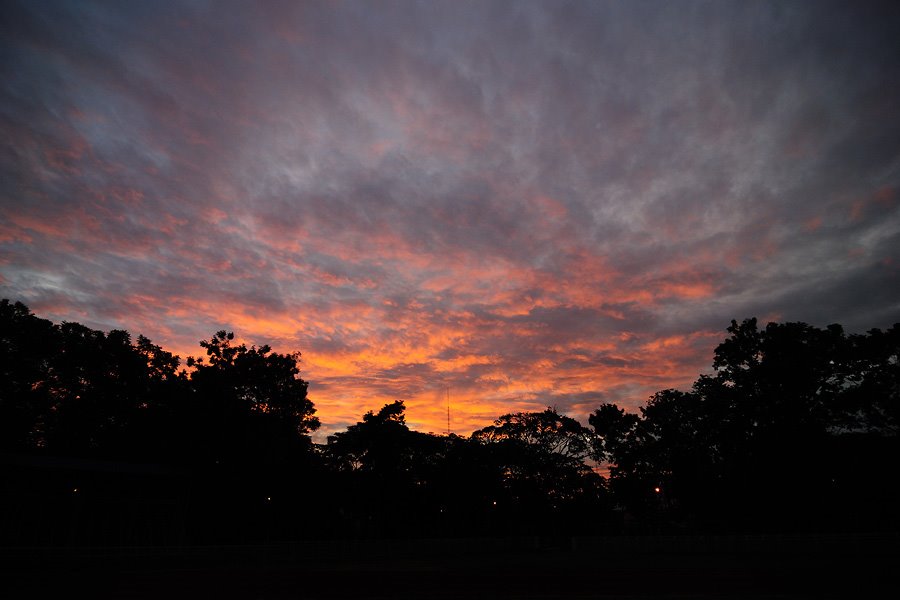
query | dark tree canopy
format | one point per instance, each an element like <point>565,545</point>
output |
<point>380,443</point>
<point>255,379</point>
<point>73,390</point>
<point>541,459</point>
<point>69,389</point>
<point>27,344</point>
<point>769,434</point>
<point>795,428</point>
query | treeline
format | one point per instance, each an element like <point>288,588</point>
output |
<point>107,439</point>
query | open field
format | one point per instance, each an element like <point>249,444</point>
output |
<point>531,568</point>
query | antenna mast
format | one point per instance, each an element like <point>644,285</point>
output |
<point>448,411</point>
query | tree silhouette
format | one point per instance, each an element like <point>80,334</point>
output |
<point>764,441</point>
<point>255,379</point>
<point>249,406</point>
<point>27,344</point>
<point>613,428</point>
<point>540,457</point>
<point>388,473</point>
<point>69,389</point>
<point>380,443</point>
<point>796,428</point>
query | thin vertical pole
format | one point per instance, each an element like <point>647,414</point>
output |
<point>448,411</point>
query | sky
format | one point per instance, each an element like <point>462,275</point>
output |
<point>528,204</point>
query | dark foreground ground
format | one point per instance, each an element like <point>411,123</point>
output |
<point>859,566</point>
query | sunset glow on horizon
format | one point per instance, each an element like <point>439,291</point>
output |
<point>529,204</point>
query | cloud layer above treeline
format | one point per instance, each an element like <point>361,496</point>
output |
<point>530,204</point>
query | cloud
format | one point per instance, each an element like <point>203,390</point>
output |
<point>531,205</point>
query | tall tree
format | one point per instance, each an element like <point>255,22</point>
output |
<point>766,437</point>
<point>380,443</point>
<point>252,400</point>
<point>541,457</point>
<point>27,346</point>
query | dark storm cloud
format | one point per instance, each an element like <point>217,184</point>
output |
<point>532,203</point>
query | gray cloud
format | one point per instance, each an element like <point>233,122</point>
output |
<point>584,192</point>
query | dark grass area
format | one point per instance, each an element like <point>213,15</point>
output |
<point>725,567</point>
